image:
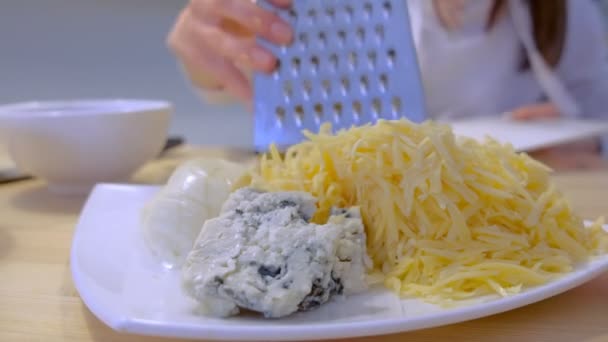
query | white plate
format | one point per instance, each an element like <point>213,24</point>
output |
<point>125,287</point>
<point>532,135</point>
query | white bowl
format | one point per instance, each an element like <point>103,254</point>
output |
<point>75,144</point>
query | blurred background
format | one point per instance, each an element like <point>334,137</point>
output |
<point>62,49</point>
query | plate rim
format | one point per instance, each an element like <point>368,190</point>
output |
<point>120,321</point>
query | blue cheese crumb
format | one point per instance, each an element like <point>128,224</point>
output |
<point>263,254</point>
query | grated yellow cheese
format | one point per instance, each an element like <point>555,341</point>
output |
<point>446,218</point>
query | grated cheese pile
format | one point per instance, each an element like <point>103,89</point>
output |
<point>446,218</point>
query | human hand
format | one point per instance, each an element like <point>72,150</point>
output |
<point>545,110</point>
<point>215,42</point>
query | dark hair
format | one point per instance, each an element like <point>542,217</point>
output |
<point>549,21</point>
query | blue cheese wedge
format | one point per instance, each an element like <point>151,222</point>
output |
<point>263,254</point>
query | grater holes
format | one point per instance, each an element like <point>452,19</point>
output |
<point>292,14</point>
<point>318,109</point>
<point>280,115</point>
<point>276,74</point>
<point>383,82</point>
<point>364,84</point>
<point>299,115</point>
<point>376,108</point>
<point>303,39</point>
<point>312,14</point>
<point>345,83</point>
<point>296,64</point>
<point>387,8</point>
<point>353,60</point>
<point>372,58</point>
<point>315,63</point>
<point>391,54</point>
<point>367,10</point>
<point>357,110</point>
<point>322,39</point>
<point>287,90</point>
<point>307,87</point>
<point>379,31</point>
<point>360,35</point>
<point>337,109</point>
<point>333,61</point>
<point>396,106</point>
<point>326,86</point>
<point>330,12</point>
<point>350,12</point>
<point>342,37</point>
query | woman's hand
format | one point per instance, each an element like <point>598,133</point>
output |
<point>545,110</point>
<point>215,42</point>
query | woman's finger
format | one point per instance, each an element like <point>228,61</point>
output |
<point>199,58</point>
<point>175,40</point>
<point>241,51</point>
<point>247,14</point>
<point>232,79</point>
<point>537,111</point>
<point>281,3</point>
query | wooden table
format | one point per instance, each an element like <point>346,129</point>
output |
<point>38,301</point>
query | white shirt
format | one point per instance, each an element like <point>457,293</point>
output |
<point>472,72</point>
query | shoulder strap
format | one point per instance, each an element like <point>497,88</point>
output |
<point>546,77</point>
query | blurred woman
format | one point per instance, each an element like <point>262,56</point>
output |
<point>525,58</point>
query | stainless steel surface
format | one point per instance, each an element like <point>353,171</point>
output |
<point>352,62</point>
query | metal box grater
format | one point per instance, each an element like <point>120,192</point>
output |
<point>351,62</point>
